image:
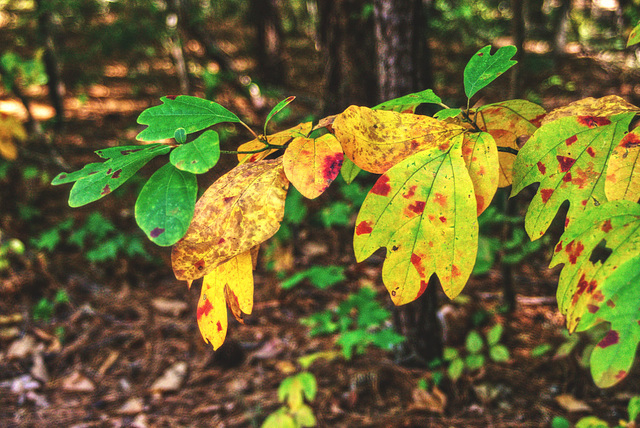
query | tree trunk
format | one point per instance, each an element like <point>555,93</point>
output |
<point>345,36</point>
<point>561,29</point>
<point>402,56</point>
<point>266,19</point>
<point>518,34</point>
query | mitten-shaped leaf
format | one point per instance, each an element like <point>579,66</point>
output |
<point>277,139</point>
<point>191,113</point>
<point>599,107</point>
<point>311,164</point>
<point>240,210</point>
<point>376,140</point>
<point>483,68</point>
<point>481,157</point>
<point>165,205</point>
<point>423,210</point>
<point>199,155</point>
<point>623,171</point>
<point>100,179</point>
<point>409,103</point>
<point>510,123</point>
<point>599,282</point>
<point>569,158</point>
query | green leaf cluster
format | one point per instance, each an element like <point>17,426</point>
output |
<point>474,356</point>
<point>295,413</point>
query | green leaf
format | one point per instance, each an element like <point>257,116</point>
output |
<point>386,339</point>
<point>191,113</point>
<point>304,416</point>
<point>180,136</point>
<point>483,68</point>
<point>309,385</point>
<point>277,109</point>
<point>450,354</point>
<point>499,353</point>
<point>634,408</point>
<point>198,156</point>
<point>447,113</point>
<point>494,335</point>
<point>474,343</point>
<point>358,339</point>
<point>165,205</point>
<point>634,36</point>
<point>474,361</point>
<point>320,276</point>
<point>423,210</point>
<point>569,158</point>
<point>455,369</point>
<point>598,282</point>
<point>591,422</point>
<point>540,350</point>
<point>279,419</point>
<point>120,165</point>
<point>349,170</point>
<point>409,103</point>
<point>70,177</point>
<point>560,422</point>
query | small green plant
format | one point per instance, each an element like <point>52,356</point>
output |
<point>633,409</point>
<point>11,246</point>
<point>475,356</point>
<point>320,276</point>
<point>45,308</point>
<point>295,412</point>
<point>360,321</point>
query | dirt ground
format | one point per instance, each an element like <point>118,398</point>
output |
<point>125,350</point>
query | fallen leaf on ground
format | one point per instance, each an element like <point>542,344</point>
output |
<point>571,404</point>
<point>169,307</point>
<point>133,406</point>
<point>22,348</point>
<point>434,401</point>
<point>171,379</point>
<point>77,382</point>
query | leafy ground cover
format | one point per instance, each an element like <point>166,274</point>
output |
<point>122,347</point>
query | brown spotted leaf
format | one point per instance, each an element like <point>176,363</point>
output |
<point>599,282</point>
<point>423,210</point>
<point>277,139</point>
<point>376,140</point>
<point>568,157</point>
<point>481,157</point>
<point>601,107</point>
<point>311,164</point>
<point>623,172</point>
<point>240,210</point>
<point>510,123</point>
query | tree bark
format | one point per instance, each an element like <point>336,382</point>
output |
<point>518,34</point>
<point>269,41</point>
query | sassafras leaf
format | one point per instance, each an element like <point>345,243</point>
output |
<point>623,170</point>
<point>483,68</point>
<point>409,103</point>
<point>599,107</point>
<point>481,157</point>
<point>423,210</point>
<point>199,155</point>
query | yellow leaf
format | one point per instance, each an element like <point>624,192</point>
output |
<point>481,157</point>
<point>278,139</point>
<point>375,140</point>
<point>623,177</point>
<point>239,211</point>
<point>602,107</point>
<point>10,129</point>
<point>232,282</point>
<point>311,164</point>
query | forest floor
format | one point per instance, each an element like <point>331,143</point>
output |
<point>125,349</point>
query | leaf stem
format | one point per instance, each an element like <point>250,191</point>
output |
<point>250,130</point>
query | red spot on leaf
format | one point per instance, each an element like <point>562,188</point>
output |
<point>584,202</point>
<point>593,121</point>
<point>569,141</point>
<point>199,264</point>
<point>536,121</point>
<point>611,303</point>
<point>117,173</point>
<point>219,326</point>
<point>630,141</point>
<point>622,373</point>
<point>423,287</point>
<point>109,171</point>
<point>565,162</point>
<point>414,144</point>
<point>566,222</point>
<point>332,166</point>
<point>606,227</point>
<point>221,241</point>
<point>382,186</point>
<point>455,271</point>
<point>443,219</point>
<point>598,296</point>
<point>611,338</point>
<point>444,146</point>
<point>417,207</point>
<point>574,251</point>
<point>591,152</point>
<point>541,167</point>
<point>480,203</point>
<point>593,308</point>
<point>546,194</point>
<point>441,200</point>
<point>129,151</point>
<point>156,232</point>
<point>480,54</point>
<point>567,177</point>
<point>416,261</point>
<point>204,309</point>
<point>227,199</point>
<point>559,247</point>
<point>106,190</point>
<point>410,193</point>
<point>364,227</point>
<point>172,97</point>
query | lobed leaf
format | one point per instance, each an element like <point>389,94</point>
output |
<point>311,165</point>
<point>237,212</point>
<point>483,68</point>
<point>599,107</point>
<point>511,123</point>
<point>165,205</point>
<point>481,158</point>
<point>199,155</point>
<point>230,283</point>
<point>569,158</point>
<point>409,103</point>
<point>599,282</point>
<point>423,210</point>
<point>95,181</point>
<point>191,113</point>
<point>376,140</point>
